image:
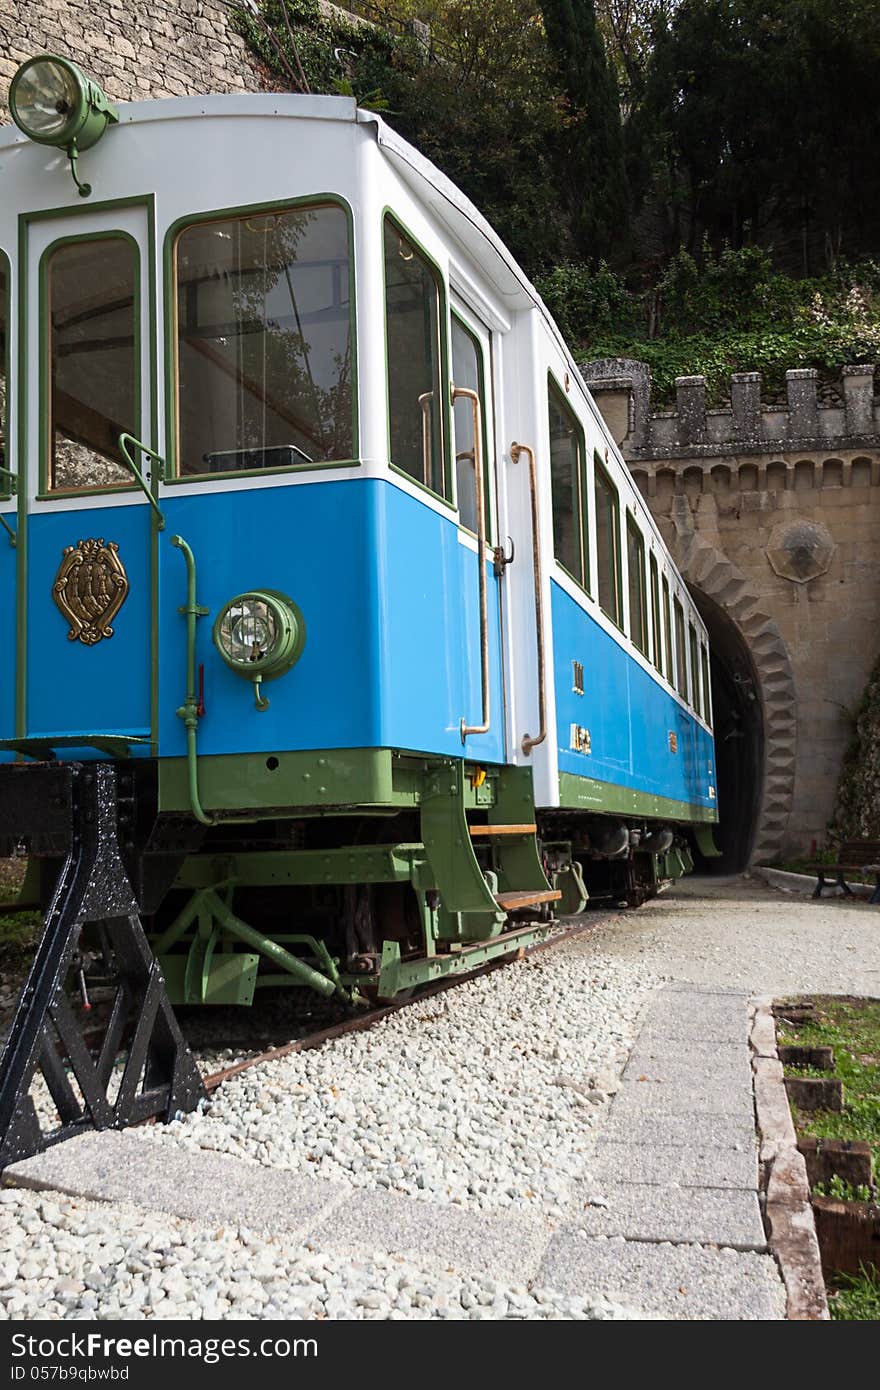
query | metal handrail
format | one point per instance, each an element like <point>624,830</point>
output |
<point>124,441</point>
<point>528,743</point>
<point>464,393</point>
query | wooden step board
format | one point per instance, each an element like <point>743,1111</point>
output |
<point>512,902</point>
<point>493,830</point>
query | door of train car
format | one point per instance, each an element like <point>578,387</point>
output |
<point>471,362</point>
<point>85,565</point>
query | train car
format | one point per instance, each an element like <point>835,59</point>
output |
<point>339,648</point>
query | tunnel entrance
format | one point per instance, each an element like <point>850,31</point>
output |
<point>739,740</point>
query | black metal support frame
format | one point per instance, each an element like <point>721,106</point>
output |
<point>159,1077</point>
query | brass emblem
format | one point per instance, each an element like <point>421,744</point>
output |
<point>90,588</point>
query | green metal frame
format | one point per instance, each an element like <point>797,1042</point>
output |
<point>174,477</point>
<point>146,202</point>
<point>388,214</point>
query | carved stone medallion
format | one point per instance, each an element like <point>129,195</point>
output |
<point>90,588</point>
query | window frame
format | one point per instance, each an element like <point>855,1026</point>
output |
<point>656,619</point>
<point>681,662</point>
<point>707,688</point>
<point>456,316</point>
<point>669,665</point>
<point>599,470</point>
<point>555,389</point>
<point>6,493</point>
<point>693,647</point>
<point>173,476</point>
<point>443,315</point>
<point>634,531</point>
<point>45,491</point>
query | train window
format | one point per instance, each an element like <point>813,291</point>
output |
<point>4,358</point>
<point>416,399</point>
<point>695,669</point>
<point>264,341</point>
<point>635,564</point>
<point>656,627</point>
<point>567,487</point>
<point>667,630</point>
<point>467,371</point>
<point>680,657</point>
<point>92,314</point>
<point>707,697</point>
<point>607,542</point>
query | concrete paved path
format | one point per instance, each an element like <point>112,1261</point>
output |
<point>666,1221</point>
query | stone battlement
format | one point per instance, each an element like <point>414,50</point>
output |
<point>622,390</point>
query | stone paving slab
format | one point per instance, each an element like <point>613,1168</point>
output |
<point>508,1247</point>
<point>645,1211</point>
<point>683,1098</point>
<point>714,1056</point>
<point>666,1281</point>
<point>667,1027</point>
<point>688,1165</point>
<point>677,1071</point>
<point>197,1185</point>
<point>632,1124</point>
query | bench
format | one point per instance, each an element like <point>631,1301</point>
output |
<point>854,856</point>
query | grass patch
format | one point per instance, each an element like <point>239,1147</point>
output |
<point>856,1297</point>
<point>19,932</point>
<point>852,1028</point>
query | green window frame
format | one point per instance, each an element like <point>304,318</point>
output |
<point>695,669</point>
<point>333,402</point>
<point>568,487</point>
<point>656,624</point>
<point>462,424</point>
<point>5,367</point>
<point>667,630</point>
<point>607,507</point>
<point>54,349</point>
<point>638,599</point>
<point>707,691</point>
<point>680,652</point>
<point>419,423</point>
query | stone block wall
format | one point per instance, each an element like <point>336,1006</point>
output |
<point>137,49</point>
<point>774,512</point>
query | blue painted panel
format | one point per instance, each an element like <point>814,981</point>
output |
<point>72,688</point>
<point>312,542</point>
<point>389,598</point>
<point>629,715</point>
<point>430,633</point>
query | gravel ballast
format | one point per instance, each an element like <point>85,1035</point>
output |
<point>491,1099</point>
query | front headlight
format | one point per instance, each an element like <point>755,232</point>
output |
<point>260,634</point>
<point>55,103</point>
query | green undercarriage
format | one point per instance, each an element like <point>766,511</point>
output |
<point>464,898</point>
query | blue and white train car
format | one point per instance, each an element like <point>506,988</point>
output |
<point>315,537</point>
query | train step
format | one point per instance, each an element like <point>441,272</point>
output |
<point>486,831</point>
<point>512,902</point>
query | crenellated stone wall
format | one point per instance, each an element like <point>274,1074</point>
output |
<point>136,49</point>
<point>773,511</point>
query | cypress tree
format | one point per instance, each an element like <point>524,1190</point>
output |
<point>589,153</point>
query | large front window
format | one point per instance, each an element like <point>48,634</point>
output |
<point>91,289</point>
<point>416,403</point>
<point>264,341</point>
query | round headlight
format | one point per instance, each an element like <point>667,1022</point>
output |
<point>55,103</point>
<point>260,634</point>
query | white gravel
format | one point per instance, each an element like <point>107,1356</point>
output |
<point>65,1259</point>
<point>486,1096</point>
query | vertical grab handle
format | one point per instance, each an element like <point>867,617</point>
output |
<point>463,393</point>
<point>528,742</point>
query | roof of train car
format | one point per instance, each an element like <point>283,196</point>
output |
<point>451,207</point>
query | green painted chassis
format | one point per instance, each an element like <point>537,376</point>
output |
<point>210,955</point>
